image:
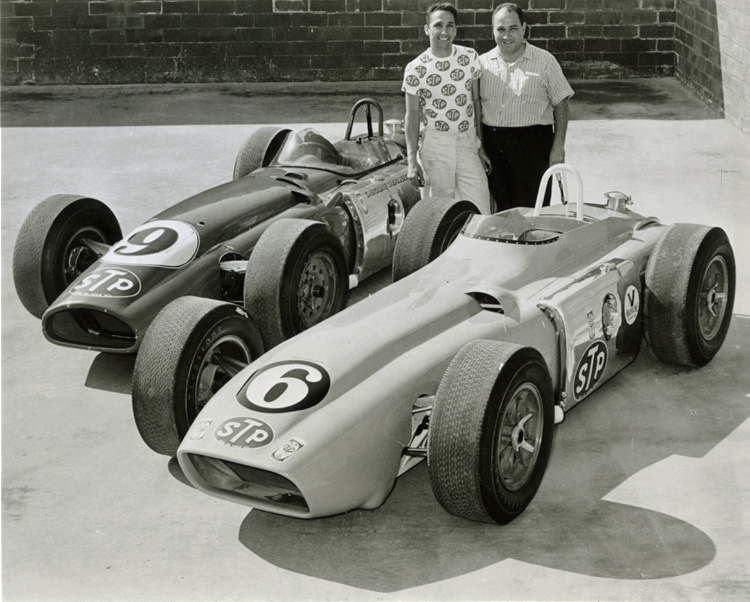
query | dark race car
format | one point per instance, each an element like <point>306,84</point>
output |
<point>304,219</point>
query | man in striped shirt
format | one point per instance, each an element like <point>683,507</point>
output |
<point>524,111</point>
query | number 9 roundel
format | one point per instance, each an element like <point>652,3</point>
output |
<point>285,387</point>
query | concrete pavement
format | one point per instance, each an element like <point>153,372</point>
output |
<point>646,494</point>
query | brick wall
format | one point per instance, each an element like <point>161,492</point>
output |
<point>157,41</point>
<point>713,54</point>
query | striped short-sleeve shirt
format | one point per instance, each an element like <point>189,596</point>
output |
<point>443,86</point>
<point>524,92</point>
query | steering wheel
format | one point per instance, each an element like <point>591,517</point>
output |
<point>367,103</point>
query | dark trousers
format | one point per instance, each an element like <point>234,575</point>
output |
<point>519,157</point>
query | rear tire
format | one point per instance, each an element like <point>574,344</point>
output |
<point>428,230</point>
<point>296,277</point>
<point>191,349</point>
<point>690,284</point>
<point>258,150</point>
<point>50,252</point>
<point>491,431</point>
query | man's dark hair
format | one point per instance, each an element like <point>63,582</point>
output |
<point>441,6</point>
<point>511,7</point>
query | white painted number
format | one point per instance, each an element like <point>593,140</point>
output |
<point>280,387</point>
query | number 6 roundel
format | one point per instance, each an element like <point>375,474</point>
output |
<point>285,387</point>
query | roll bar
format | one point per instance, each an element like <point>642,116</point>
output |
<point>561,170</point>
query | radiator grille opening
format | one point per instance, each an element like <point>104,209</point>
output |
<point>246,481</point>
<point>89,328</point>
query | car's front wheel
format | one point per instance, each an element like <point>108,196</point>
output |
<point>191,349</point>
<point>491,431</point>
<point>258,150</point>
<point>689,295</point>
<point>54,247</point>
<point>296,277</point>
<point>428,230</point>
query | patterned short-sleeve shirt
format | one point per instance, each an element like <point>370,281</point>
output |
<point>443,86</point>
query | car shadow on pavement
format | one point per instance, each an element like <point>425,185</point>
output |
<point>649,412</point>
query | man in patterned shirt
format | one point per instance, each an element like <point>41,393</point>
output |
<point>524,110</point>
<point>442,95</point>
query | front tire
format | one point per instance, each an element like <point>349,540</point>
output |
<point>258,150</point>
<point>191,349</point>
<point>51,250</point>
<point>428,230</point>
<point>491,431</point>
<point>690,284</point>
<point>296,277</point>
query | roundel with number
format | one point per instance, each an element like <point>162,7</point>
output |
<point>287,386</point>
<point>162,243</point>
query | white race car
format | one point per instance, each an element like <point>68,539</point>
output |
<point>484,341</point>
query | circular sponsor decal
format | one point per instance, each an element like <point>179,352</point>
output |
<point>163,243</point>
<point>442,126</point>
<point>412,80</point>
<point>463,126</point>
<point>108,282</point>
<point>461,100</point>
<point>430,113</point>
<point>453,114</point>
<point>463,60</point>
<point>457,75</point>
<point>285,387</point>
<point>632,304</point>
<point>470,109</point>
<point>425,93</point>
<point>590,369</point>
<point>443,65</point>
<point>448,90</point>
<point>421,70</point>
<point>244,432</point>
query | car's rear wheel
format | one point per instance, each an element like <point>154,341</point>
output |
<point>690,284</point>
<point>296,277</point>
<point>51,250</point>
<point>428,230</point>
<point>491,431</point>
<point>191,349</point>
<point>258,150</point>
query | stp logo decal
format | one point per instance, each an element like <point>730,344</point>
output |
<point>590,369</point>
<point>433,79</point>
<point>162,243</point>
<point>108,282</point>
<point>244,432</point>
<point>285,387</point>
<point>448,90</point>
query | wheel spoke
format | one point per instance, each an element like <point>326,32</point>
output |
<point>230,365</point>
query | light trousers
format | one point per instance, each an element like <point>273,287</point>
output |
<point>452,167</point>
